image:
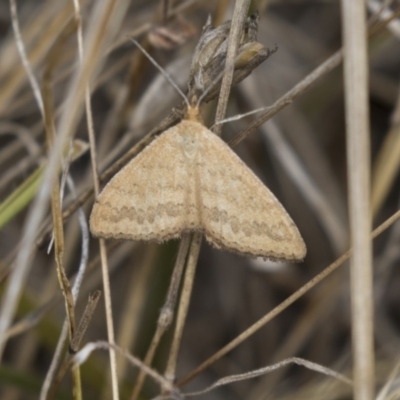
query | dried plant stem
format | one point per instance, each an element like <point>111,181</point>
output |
<point>38,41</point>
<point>387,162</point>
<point>75,290</point>
<point>109,317</point>
<point>358,162</point>
<point>167,312</point>
<point>265,370</point>
<point>62,278</point>
<point>24,58</point>
<point>285,304</point>
<point>75,343</point>
<point>85,352</point>
<point>103,254</point>
<point>85,320</point>
<point>183,305</point>
<point>235,34</point>
<point>57,210</point>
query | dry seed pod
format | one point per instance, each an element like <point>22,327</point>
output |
<point>208,61</point>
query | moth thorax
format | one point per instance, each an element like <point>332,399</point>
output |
<point>193,114</point>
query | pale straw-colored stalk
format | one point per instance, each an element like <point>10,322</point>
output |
<point>358,165</point>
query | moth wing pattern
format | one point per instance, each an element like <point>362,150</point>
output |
<point>151,198</point>
<point>239,212</point>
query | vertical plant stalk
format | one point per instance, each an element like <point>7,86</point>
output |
<point>358,164</point>
<point>183,305</point>
<point>235,33</point>
<point>57,213</point>
<point>167,312</point>
<point>75,290</point>
<point>103,253</point>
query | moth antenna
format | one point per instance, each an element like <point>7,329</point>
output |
<point>158,66</point>
<point>240,116</point>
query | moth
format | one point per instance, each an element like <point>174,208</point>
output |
<point>186,180</point>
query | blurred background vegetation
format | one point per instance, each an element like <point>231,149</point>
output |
<point>300,155</point>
